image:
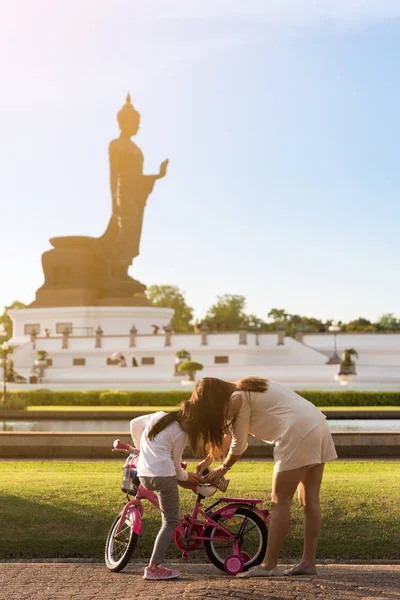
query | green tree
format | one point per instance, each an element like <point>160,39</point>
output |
<point>170,296</point>
<point>5,319</point>
<point>313,325</point>
<point>227,314</point>
<point>292,323</point>
<point>253,322</point>
<point>278,316</point>
<point>388,322</point>
<point>360,325</point>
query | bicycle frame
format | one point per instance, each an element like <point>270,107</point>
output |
<point>198,521</point>
<point>135,508</point>
<point>232,505</point>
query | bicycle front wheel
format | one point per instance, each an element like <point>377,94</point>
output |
<point>248,528</point>
<point>119,548</point>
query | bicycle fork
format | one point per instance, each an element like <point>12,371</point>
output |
<point>134,510</point>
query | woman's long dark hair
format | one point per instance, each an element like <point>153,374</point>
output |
<point>252,384</point>
<point>208,411</point>
<point>205,414</point>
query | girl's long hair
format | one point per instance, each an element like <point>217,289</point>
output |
<point>207,414</point>
<point>161,424</point>
<point>181,416</point>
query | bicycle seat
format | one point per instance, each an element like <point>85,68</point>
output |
<point>205,490</point>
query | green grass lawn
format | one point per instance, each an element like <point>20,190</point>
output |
<point>61,509</point>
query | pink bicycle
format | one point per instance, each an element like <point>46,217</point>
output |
<point>234,530</point>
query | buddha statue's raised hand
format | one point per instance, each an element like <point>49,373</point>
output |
<point>163,169</point>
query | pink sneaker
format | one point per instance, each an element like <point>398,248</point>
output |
<point>160,573</point>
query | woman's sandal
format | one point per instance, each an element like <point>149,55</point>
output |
<point>259,571</point>
<point>294,571</point>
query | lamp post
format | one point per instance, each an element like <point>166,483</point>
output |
<point>334,358</point>
<point>4,354</point>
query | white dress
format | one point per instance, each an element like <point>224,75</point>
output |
<point>279,416</point>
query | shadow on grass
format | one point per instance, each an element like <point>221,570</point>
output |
<point>35,528</point>
<point>32,529</point>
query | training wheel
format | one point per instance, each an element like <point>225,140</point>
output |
<point>233,564</point>
<point>245,556</point>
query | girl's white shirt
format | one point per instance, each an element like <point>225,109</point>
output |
<point>162,456</point>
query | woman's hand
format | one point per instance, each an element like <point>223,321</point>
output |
<point>193,478</point>
<point>215,475</point>
<point>203,465</point>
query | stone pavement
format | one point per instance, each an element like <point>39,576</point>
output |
<point>92,581</point>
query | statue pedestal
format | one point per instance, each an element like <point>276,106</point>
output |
<point>77,273</point>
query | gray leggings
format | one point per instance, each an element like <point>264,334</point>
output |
<point>168,495</point>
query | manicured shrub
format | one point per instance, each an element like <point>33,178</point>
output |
<point>183,354</point>
<point>145,398</point>
<point>46,397</point>
<point>190,367</point>
<point>13,402</point>
<point>351,398</point>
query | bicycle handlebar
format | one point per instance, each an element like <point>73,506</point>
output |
<point>118,445</point>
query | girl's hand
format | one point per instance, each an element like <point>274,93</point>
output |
<point>204,464</point>
<point>193,478</point>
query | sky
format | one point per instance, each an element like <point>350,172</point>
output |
<point>280,120</point>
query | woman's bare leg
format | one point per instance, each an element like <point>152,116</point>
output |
<point>308,494</point>
<point>284,485</point>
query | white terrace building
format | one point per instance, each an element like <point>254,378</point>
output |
<point>80,341</point>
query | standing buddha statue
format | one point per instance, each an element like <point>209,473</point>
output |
<point>130,189</point>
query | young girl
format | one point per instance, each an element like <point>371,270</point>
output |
<point>161,438</point>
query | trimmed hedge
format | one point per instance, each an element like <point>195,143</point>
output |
<point>44,397</point>
<point>351,398</point>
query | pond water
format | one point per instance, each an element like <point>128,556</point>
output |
<point>122,426</point>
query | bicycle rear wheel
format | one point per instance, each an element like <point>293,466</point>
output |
<point>250,530</point>
<point>119,549</point>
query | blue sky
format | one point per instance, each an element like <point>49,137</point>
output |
<point>280,120</point>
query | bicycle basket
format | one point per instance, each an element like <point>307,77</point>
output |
<point>130,480</point>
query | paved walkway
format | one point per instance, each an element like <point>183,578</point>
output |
<point>60,581</point>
